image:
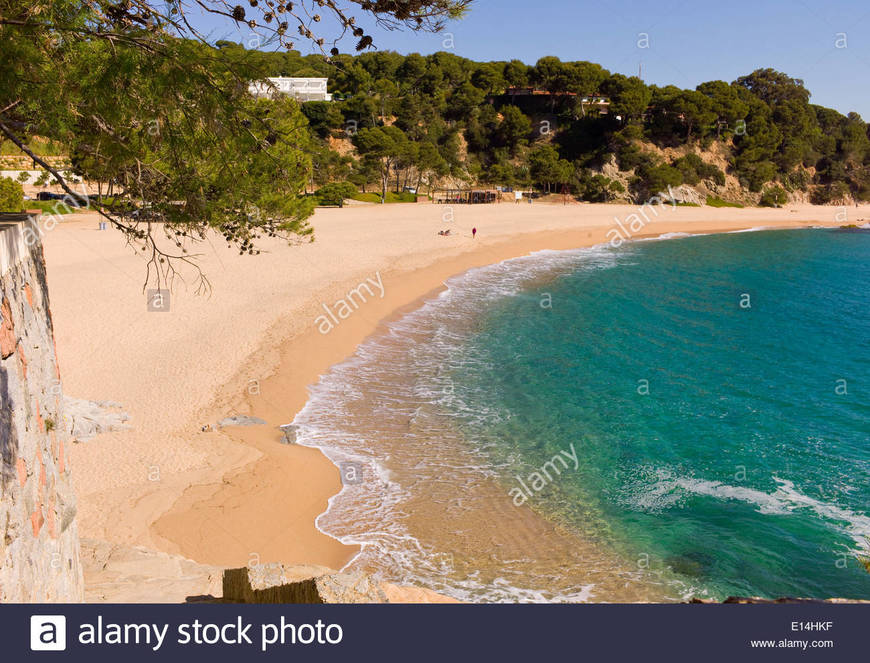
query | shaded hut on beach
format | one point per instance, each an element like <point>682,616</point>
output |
<point>466,196</point>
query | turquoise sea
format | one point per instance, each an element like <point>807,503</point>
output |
<point>708,397</point>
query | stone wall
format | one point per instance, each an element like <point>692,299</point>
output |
<point>39,545</point>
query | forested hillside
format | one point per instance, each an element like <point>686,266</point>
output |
<point>573,126</point>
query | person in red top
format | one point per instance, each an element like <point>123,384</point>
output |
<point>473,233</point>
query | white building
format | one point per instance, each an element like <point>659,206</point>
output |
<point>303,89</point>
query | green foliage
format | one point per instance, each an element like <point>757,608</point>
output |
<point>51,206</point>
<point>547,169</point>
<point>187,143</point>
<point>755,175</point>
<point>655,179</point>
<point>335,193</point>
<point>834,192</point>
<point>773,197</point>
<point>166,121</point>
<point>797,180</point>
<point>40,147</point>
<point>629,155</point>
<point>390,197</point>
<point>694,170</point>
<point>629,97</point>
<point>388,146</point>
<point>713,201</point>
<point>323,117</point>
<point>514,128</point>
<point>726,105</point>
<point>11,195</point>
<point>677,116</point>
<point>597,188</point>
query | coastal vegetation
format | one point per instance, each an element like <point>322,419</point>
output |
<point>164,120</point>
<point>11,195</point>
<point>187,144</point>
<point>574,126</point>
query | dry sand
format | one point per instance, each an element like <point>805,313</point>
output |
<point>236,496</point>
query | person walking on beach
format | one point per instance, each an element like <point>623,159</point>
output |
<point>473,233</point>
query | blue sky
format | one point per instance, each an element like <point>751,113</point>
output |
<point>826,43</point>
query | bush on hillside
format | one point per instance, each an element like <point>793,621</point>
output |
<point>831,193</point>
<point>713,201</point>
<point>694,169</point>
<point>656,179</point>
<point>773,197</point>
<point>597,188</point>
<point>629,156</point>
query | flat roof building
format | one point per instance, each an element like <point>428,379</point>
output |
<point>303,89</point>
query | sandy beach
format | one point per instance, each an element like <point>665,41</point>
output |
<point>234,496</point>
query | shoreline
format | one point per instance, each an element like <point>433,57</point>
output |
<point>237,496</point>
<point>408,291</point>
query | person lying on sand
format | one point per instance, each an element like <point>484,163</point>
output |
<point>445,233</point>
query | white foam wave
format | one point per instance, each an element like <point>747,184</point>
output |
<point>431,339</point>
<point>749,230</point>
<point>668,490</point>
<point>426,344</point>
<point>663,236</point>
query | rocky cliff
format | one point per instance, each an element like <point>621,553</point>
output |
<point>39,545</point>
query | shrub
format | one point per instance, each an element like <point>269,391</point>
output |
<point>11,195</point>
<point>629,155</point>
<point>597,188</point>
<point>335,193</point>
<point>832,193</point>
<point>694,169</point>
<point>710,172</point>
<point>712,201</point>
<point>659,177</point>
<point>797,180</point>
<point>755,175</point>
<point>773,197</point>
<point>391,197</point>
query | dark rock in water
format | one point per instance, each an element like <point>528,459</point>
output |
<point>754,600</point>
<point>695,564</point>
<point>853,228</point>
<point>241,420</point>
<point>290,432</point>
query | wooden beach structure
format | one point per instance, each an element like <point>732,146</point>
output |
<point>466,196</point>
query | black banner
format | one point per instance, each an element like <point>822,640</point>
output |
<point>225,632</point>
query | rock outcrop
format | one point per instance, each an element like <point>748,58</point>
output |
<point>86,419</point>
<point>276,583</point>
<point>132,574</point>
<point>39,545</point>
